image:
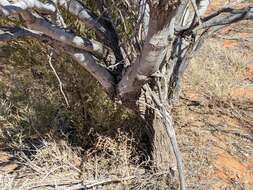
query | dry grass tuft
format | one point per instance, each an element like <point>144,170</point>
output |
<point>212,122</point>
<point>216,70</point>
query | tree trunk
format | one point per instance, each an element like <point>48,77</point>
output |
<point>162,151</point>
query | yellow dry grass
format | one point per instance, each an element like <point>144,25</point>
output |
<point>216,70</point>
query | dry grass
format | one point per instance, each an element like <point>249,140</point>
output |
<point>214,127</point>
<point>43,141</point>
<point>58,165</point>
<point>216,70</point>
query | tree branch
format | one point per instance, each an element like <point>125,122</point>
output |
<point>99,72</point>
<point>58,78</point>
<point>103,27</point>
<point>40,24</point>
<point>85,59</point>
<point>12,33</point>
<point>234,15</point>
<point>37,23</point>
<point>219,19</point>
<point>78,9</point>
<point>153,52</point>
<point>8,9</point>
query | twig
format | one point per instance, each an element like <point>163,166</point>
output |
<point>58,78</point>
<point>235,132</point>
<point>80,184</point>
<point>98,183</point>
<point>193,2</point>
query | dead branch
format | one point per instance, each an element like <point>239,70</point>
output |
<point>234,15</point>
<point>58,78</point>
<point>82,184</point>
<point>193,2</point>
<point>7,9</point>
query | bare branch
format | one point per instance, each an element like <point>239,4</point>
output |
<point>78,9</point>
<point>99,72</point>
<point>233,15</point>
<point>178,62</point>
<point>39,24</point>
<point>103,27</point>
<point>7,9</point>
<point>220,18</point>
<point>193,2</point>
<point>168,124</point>
<point>12,33</point>
<point>58,78</point>
<point>186,17</point>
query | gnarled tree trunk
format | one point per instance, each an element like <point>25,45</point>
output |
<point>162,151</point>
<point>159,130</point>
